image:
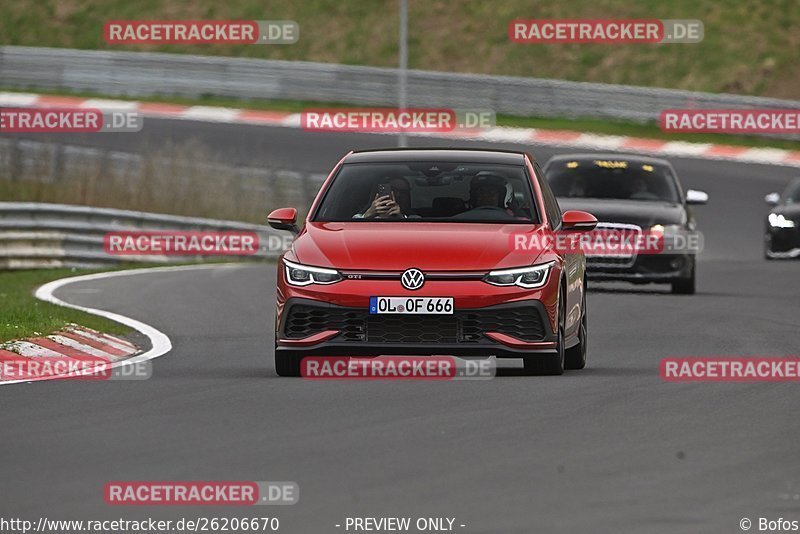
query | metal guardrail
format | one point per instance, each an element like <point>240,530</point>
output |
<point>141,74</point>
<point>39,235</point>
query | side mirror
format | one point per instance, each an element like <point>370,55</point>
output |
<point>696,197</point>
<point>284,219</point>
<point>578,221</point>
<point>772,199</point>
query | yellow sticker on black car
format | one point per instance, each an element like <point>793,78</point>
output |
<point>609,164</point>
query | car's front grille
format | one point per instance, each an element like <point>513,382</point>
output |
<point>463,326</point>
<point>616,260</point>
<point>785,239</point>
<point>412,329</point>
<point>524,323</point>
<point>609,261</point>
<point>304,321</point>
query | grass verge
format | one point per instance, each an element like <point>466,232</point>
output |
<point>25,316</point>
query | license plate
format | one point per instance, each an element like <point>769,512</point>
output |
<point>412,305</point>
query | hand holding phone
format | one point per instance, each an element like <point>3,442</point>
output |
<point>384,190</point>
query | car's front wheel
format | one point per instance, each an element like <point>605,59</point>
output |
<point>767,246</point>
<point>685,286</point>
<point>549,364</point>
<point>575,357</point>
<point>287,364</point>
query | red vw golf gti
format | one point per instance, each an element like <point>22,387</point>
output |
<point>411,252</point>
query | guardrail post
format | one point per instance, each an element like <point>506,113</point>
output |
<point>15,160</point>
<point>57,167</point>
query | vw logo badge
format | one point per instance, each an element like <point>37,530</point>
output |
<point>412,279</point>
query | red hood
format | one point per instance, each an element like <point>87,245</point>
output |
<point>386,246</point>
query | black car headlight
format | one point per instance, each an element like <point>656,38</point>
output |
<point>666,229</point>
<point>777,220</point>
<point>525,277</point>
<point>303,275</point>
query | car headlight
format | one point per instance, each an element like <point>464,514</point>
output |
<point>525,277</point>
<point>666,229</point>
<point>777,220</point>
<point>303,275</point>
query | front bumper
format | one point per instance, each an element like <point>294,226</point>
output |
<point>783,243</point>
<point>511,330</point>
<point>649,268</point>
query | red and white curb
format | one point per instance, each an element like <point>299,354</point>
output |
<point>80,343</point>
<point>75,347</point>
<point>501,134</point>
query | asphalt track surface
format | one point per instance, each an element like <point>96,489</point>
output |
<point>612,448</point>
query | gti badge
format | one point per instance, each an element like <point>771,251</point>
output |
<point>412,279</point>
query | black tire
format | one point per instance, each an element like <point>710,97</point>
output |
<point>575,357</point>
<point>549,364</point>
<point>767,246</point>
<point>685,286</point>
<point>287,364</point>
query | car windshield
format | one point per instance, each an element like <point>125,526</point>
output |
<point>429,191</point>
<point>612,179</point>
<point>792,193</point>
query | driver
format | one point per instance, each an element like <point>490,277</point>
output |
<point>640,190</point>
<point>488,189</point>
<point>395,205</point>
<point>578,188</point>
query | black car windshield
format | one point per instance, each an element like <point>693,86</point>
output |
<point>612,179</point>
<point>429,191</point>
<point>792,193</point>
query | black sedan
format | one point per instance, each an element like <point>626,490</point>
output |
<point>782,236</point>
<point>630,193</point>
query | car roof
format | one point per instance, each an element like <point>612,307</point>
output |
<point>391,155</point>
<point>634,158</point>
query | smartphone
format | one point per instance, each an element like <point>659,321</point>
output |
<point>384,190</point>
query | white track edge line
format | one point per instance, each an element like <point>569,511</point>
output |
<point>160,342</point>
